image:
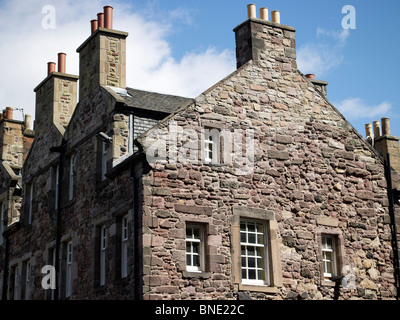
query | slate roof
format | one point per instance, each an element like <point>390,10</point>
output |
<point>152,101</point>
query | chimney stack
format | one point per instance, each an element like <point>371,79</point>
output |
<point>319,84</point>
<point>108,17</point>
<point>255,38</point>
<point>386,143</point>
<point>56,98</point>
<point>102,56</point>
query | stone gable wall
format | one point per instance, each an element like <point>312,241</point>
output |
<point>311,169</point>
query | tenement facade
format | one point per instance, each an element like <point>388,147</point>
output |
<point>258,188</point>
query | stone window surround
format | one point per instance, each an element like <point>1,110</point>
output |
<point>275,265</point>
<point>340,252</point>
<point>204,223</point>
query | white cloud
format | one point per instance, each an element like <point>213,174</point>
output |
<point>356,108</point>
<point>150,62</point>
<point>324,55</point>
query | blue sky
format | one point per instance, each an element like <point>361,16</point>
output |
<point>185,46</point>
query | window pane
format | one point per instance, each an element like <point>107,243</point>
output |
<point>244,262</point>
<point>252,263</point>
<point>243,251</point>
<point>189,233</point>
<point>252,238</point>
<point>242,227</point>
<point>252,274</point>
<point>260,263</point>
<point>188,247</point>
<point>251,227</point>
<point>261,275</point>
<point>196,247</point>
<point>329,243</point>
<point>260,228</point>
<point>243,237</point>
<point>250,251</point>
<point>188,260</point>
<point>260,239</point>
<point>196,261</point>
<point>196,233</point>
<point>244,275</point>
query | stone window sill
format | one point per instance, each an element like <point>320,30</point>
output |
<point>254,288</point>
<point>327,283</point>
<point>200,275</point>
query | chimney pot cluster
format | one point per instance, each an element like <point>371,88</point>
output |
<point>251,13</point>
<point>104,19</point>
<point>51,66</point>
<point>374,130</point>
<point>7,113</point>
<point>310,76</point>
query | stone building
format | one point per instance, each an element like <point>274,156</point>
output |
<point>258,188</point>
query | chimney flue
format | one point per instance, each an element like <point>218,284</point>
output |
<point>9,113</point>
<point>385,126</point>
<point>368,130</point>
<point>264,13</point>
<point>108,17</point>
<point>377,129</point>
<point>28,122</point>
<point>61,62</point>
<point>51,67</point>
<point>93,25</point>
<point>276,16</point>
<point>100,19</point>
<point>251,11</point>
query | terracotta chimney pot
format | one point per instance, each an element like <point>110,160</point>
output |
<point>251,11</point>
<point>264,14</point>
<point>62,62</point>
<point>108,17</point>
<point>51,67</point>
<point>385,126</point>
<point>310,76</point>
<point>93,25</point>
<point>9,111</point>
<point>276,16</point>
<point>100,19</point>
